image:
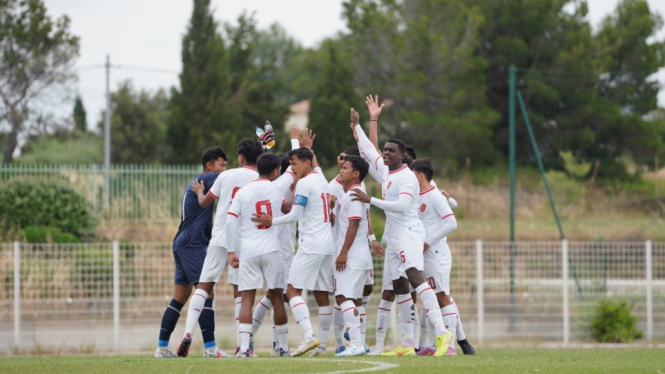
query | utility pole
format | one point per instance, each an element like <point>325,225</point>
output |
<point>107,134</point>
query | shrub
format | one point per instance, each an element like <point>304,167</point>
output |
<point>613,323</point>
<point>47,234</point>
<point>28,202</point>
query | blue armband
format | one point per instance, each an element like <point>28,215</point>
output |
<point>300,200</point>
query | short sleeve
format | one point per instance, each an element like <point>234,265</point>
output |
<point>234,210</point>
<point>356,210</point>
<point>216,188</point>
<point>440,204</point>
<point>302,192</point>
<point>409,186</point>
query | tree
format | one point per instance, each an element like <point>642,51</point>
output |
<point>330,106</point>
<point>79,116</point>
<point>37,57</point>
<point>198,109</point>
<point>137,125</point>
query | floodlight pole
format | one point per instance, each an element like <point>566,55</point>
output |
<point>107,134</point>
<point>511,162</point>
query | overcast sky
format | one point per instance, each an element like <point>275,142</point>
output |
<point>148,33</point>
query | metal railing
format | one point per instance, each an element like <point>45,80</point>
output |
<point>104,296</point>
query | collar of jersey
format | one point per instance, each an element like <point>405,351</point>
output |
<point>259,180</point>
<point>400,169</point>
<point>355,185</point>
<point>427,190</point>
<point>247,167</point>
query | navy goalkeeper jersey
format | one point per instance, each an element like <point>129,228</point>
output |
<point>195,222</point>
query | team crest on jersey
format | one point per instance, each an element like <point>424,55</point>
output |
<point>423,207</point>
<point>389,184</point>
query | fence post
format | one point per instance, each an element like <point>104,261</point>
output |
<point>480,291</point>
<point>649,286</point>
<point>17,296</point>
<point>564,285</point>
<point>116,296</point>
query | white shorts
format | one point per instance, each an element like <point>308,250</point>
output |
<point>369,279</point>
<point>312,272</point>
<point>286,262</point>
<point>234,274</point>
<point>404,252</point>
<point>437,274</point>
<point>350,283</point>
<point>214,264</point>
<point>254,270</point>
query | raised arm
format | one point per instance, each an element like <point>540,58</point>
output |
<point>367,150</point>
<point>374,112</point>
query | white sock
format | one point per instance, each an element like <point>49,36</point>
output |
<point>416,330</point>
<point>338,321</point>
<point>301,314</point>
<point>365,301</point>
<point>459,329</point>
<point>450,319</point>
<point>244,331</point>
<point>352,321</point>
<point>424,338</point>
<point>431,305</point>
<point>382,318</point>
<point>275,338</point>
<point>431,334</point>
<point>363,324</point>
<point>282,332</point>
<point>195,308</point>
<point>325,320</point>
<point>405,318</point>
<point>259,315</point>
<point>238,301</point>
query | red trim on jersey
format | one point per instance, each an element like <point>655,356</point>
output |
<point>446,216</point>
<point>337,180</point>
<point>311,172</point>
<point>337,308</point>
<point>283,201</point>
<point>250,168</point>
<point>400,169</point>
<point>405,193</point>
<point>232,214</point>
<point>409,299</point>
<point>293,175</point>
<point>354,186</point>
<point>355,217</point>
<point>376,165</point>
<point>212,194</point>
<point>428,190</point>
<point>259,180</point>
<point>421,292</point>
<point>346,310</point>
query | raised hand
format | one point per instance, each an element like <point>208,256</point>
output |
<point>355,117</point>
<point>307,138</point>
<point>355,134</point>
<point>373,107</point>
<point>295,132</point>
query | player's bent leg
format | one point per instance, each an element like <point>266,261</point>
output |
<point>170,319</point>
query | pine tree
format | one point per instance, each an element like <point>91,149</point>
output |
<point>199,108</point>
<point>333,98</point>
<point>80,116</point>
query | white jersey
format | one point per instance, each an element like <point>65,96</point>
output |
<point>314,224</point>
<point>260,196</point>
<point>337,189</point>
<point>287,233</point>
<point>434,207</point>
<point>359,257</point>
<point>224,189</point>
<point>402,182</point>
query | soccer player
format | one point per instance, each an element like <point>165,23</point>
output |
<point>189,251</point>
<point>216,259</point>
<point>353,262</point>
<point>312,264</point>
<point>404,258</point>
<point>260,258</point>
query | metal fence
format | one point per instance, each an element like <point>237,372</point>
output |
<point>132,188</point>
<point>111,296</point>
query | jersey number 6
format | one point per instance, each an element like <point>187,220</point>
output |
<point>264,207</point>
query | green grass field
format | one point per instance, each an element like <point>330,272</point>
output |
<point>551,361</point>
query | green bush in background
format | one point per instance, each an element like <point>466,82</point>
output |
<point>48,234</point>
<point>26,202</point>
<point>613,323</point>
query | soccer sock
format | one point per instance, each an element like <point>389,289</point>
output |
<point>431,334</point>
<point>365,301</point>
<point>301,314</point>
<point>238,301</point>
<point>382,318</point>
<point>338,320</point>
<point>196,305</point>
<point>450,320</point>
<point>282,332</point>
<point>259,315</point>
<point>275,337</point>
<point>431,305</point>
<point>244,331</point>
<point>207,324</point>
<point>405,318</point>
<point>416,330</point>
<point>459,330</point>
<point>325,320</point>
<point>169,320</point>
<point>363,324</point>
<point>352,321</point>
<point>424,338</point>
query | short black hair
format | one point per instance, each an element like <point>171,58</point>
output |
<point>267,163</point>
<point>359,164</point>
<point>284,157</point>
<point>302,154</point>
<point>400,144</point>
<point>424,165</point>
<point>249,148</point>
<point>407,160</point>
<point>352,151</point>
<point>411,152</point>
<point>211,155</point>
